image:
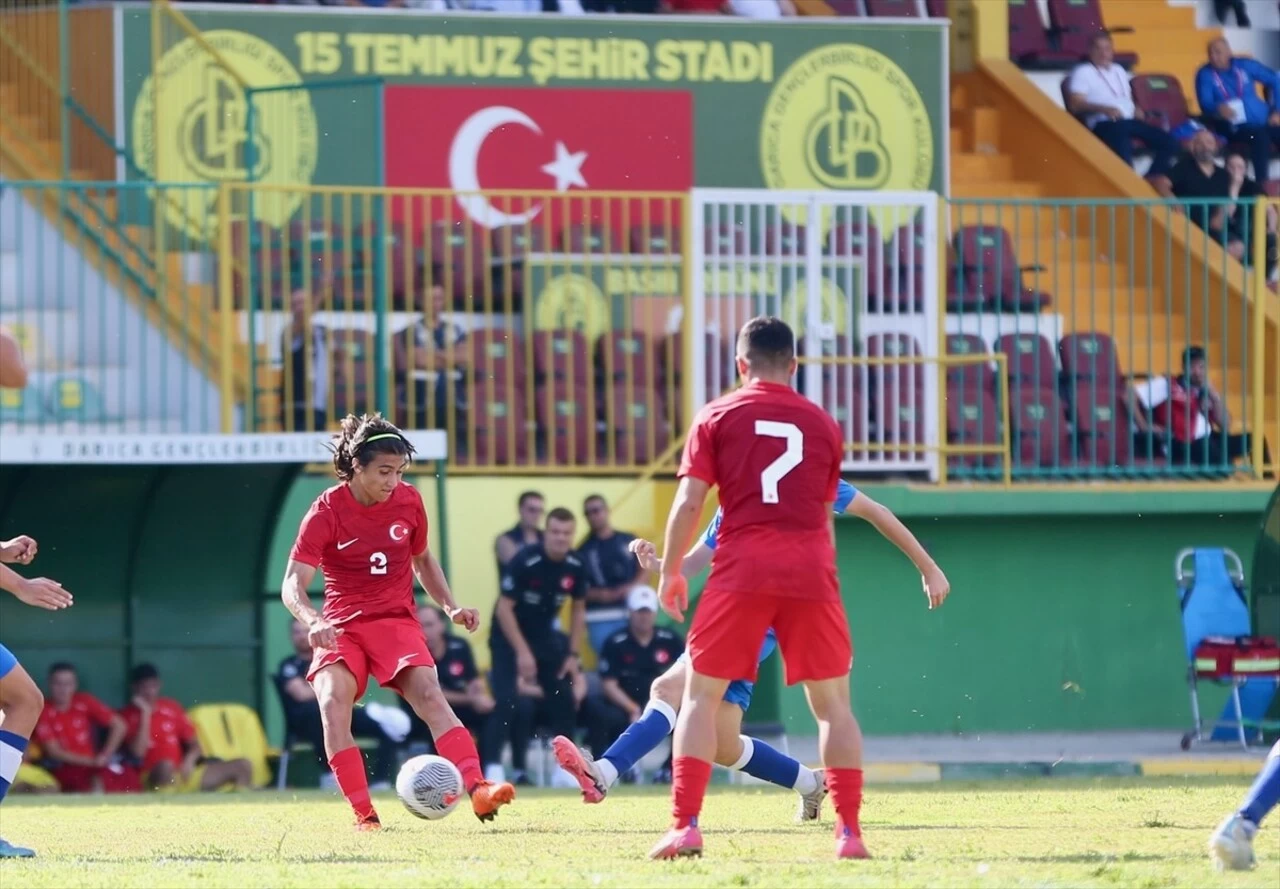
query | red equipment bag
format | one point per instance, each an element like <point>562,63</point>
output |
<point>1221,657</point>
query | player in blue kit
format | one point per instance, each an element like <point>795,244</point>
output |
<point>734,751</point>
<point>20,698</point>
<point>1231,845</point>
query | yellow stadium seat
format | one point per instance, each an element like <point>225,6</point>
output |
<point>233,731</point>
<point>21,405</point>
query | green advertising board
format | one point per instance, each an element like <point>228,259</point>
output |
<point>808,104</point>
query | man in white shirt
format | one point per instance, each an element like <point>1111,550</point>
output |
<point>1099,94</point>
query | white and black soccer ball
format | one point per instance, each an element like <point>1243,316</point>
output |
<point>429,786</point>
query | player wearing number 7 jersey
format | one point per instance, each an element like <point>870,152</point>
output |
<point>776,458</point>
<point>369,536</point>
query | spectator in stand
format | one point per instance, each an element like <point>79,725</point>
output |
<point>1241,217</point>
<point>1187,411</point>
<point>1099,94</point>
<point>462,684</point>
<point>163,739</point>
<point>1227,89</point>
<point>531,505</point>
<point>68,732</point>
<point>1222,7</point>
<point>305,350</point>
<point>302,713</point>
<point>438,361</point>
<point>1197,177</point>
<point>613,571</point>
<point>633,658</point>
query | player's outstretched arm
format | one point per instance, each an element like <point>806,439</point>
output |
<point>13,372</point>
<point>673,588</point>
<point>936,585</point>
<point>38,591</point>
<point>20,550</point>
<point>696,560</point>
<point>429,573</point>
<point>293,592</point>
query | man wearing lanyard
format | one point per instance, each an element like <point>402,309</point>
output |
<point>1227,89</point>
<point>1099,94</point>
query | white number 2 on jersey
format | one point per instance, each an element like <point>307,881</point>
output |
<point>787,461</point>
<point>378,563</point>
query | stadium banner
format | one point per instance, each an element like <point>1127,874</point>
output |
<point>194,449</point>
<point>847,104</point>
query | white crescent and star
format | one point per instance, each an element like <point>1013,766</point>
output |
<point>403,532</point>
<point>565,168</point>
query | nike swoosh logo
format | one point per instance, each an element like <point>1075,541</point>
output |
<point>347,544</point>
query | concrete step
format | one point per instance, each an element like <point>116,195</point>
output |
<point>981,167</point>
<point>1009,189</point>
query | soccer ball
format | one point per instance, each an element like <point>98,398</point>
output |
<point>429,786</point>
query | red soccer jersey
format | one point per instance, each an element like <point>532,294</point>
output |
<point>72,729</point>
<point>365,552</point>
<point>170,730</point>
<point>776,457</point>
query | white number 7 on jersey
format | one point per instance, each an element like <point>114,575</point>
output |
<point>787,461</point>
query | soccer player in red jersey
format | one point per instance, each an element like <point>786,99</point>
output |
<point>776,458</point>
<point>369,537</point>
<point>66,732</point>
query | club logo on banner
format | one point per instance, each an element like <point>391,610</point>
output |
<point>846,117</point>
<point>198,131</point>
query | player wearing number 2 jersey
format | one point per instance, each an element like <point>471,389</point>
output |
<point>776,459</point>
<point>369,536</point>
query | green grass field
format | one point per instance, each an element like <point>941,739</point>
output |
<point>1056,832</point>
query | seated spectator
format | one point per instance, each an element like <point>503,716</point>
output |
<point>438,362</point>
<point>1187,412</point>
<point>68,732</point>
<point>1196,177</point>
<point>613,572</point>
<point>1221,7</point>
<point>302,713</point>
<point>633,658</point>
<point>1241,221</point>
<point>164,741</point>
<point>1227,89</point>
<point>461,683</point>
<point>305,351</point>
<point>1099,93</point>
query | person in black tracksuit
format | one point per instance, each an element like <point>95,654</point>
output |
<point>461,683</point>
<point>529,654</point>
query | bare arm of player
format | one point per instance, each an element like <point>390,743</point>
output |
<point>115,737</point>
<point>21,550</point>
<point>936,586</point>
<point>505,615</point>
<point>682,523</point>
<point>293,592</point>
<point>13,373</point>
<point>696,560</point>
<point>38,591</point>
<point>429,573</point>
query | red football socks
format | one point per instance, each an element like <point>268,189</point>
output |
<point>348,770</point>
<point>689,779</point>
<point>457,746</point>
<point>846,796</point>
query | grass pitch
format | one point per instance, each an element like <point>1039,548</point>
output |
<point>1056,832</point>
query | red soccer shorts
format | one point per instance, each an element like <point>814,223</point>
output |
<point>377,648</point>
<point>729,628</point>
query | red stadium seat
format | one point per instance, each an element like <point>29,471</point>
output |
<point>1161,97</point>
<point>972,419</point>
<point>498,354</point>
<point>499,432</point>
<point>1041,431</point>
<point>860,242</point>
<point>725,239</point>
<point>463,248</point>
<point>896,345</point>
<point>564,412</point>
<point>1102,427</point>
<point>970,377</point>
<point>1030,359</point>
<point>899,415</point>
<point>898,9</point>
<point>845,7</point>
<point>636,422</point>
<point>656,240</point>
<point>782,238</point>
<point>911,251</point>
<point>594,238</point>
<point>1029,45</point>
<point>1090,356</point>
<point>352,355</point>
<point>624,356</point>
<point>1076,21</point>
<point>562,355</point>
<point>937,9</point>
<point>986,253</point>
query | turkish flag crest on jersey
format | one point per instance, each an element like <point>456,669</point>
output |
<point>561,141</point>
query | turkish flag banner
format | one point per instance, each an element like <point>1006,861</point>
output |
<point>529,158</point>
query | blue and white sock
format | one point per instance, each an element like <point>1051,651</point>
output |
<point>642,736</point>
<point>1265,792</point>
<point>11,749</point>
<point>759,760</point>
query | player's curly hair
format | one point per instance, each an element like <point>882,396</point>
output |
<point>360,439</point>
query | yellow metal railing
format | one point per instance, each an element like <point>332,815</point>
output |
<point>549,343</point>
<point>1265,382</point>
